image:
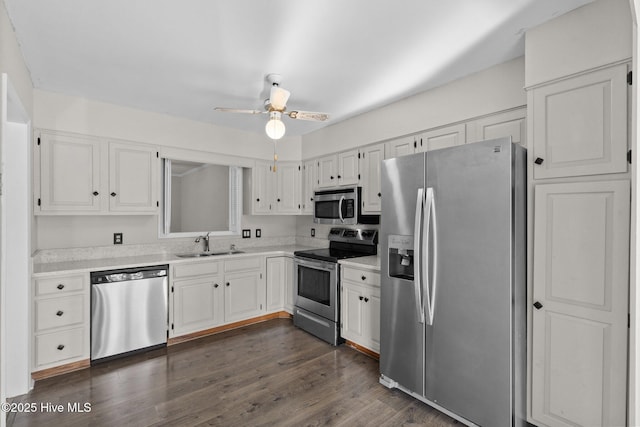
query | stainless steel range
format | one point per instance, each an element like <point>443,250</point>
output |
<point>317,280</point>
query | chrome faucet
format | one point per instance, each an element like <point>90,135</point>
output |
<point>206,241</point>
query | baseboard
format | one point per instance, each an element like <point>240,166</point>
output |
<point>59,370</point>
<point>362,349</point>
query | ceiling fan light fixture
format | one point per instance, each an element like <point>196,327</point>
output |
<point>275,128</point>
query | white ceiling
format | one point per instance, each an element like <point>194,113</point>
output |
<point>342,57</point>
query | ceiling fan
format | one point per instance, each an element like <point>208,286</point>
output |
<point>276,107</point>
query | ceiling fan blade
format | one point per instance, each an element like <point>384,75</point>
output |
<point>308,115</point>
<point>238,110</point>
<point>278,98</point>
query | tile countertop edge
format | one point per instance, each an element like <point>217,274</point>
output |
<point>85,266</point>
<point>371,263</point>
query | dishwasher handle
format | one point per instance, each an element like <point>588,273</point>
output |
<point>129,274</point>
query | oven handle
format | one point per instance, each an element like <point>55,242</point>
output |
<point>340,209</point>
<point>317,264</point>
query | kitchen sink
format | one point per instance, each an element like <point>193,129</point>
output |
<point>196,255</point>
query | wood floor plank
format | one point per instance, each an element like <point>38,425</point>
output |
<point>268,374</point>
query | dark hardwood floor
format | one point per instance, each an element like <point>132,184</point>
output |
<point>266,374</point>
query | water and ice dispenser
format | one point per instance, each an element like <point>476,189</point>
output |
<point>401,263</point>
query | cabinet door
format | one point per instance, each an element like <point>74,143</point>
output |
<point>580,125</point>
<point>276,277</point>
<point>309,184</point>
<point>288,188</point>
<point>580,296</point>
<point>352,297</point>
<point>262,185</point>
<point>510,123</point>
<point>370,164</point>
<point>70,178</point>
<point>289,292</point>
<point>132,178</point>
<point>444,137</point>
<point>328,171</point>
<point>244,295</point>
<point>372,319</point>
<point>348,168</point>
<point>197,304</point>
<point>400,147</point>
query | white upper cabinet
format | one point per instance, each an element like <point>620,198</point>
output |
<point>509,123</point>
<point>288,188</point>
<point>328,171</point>
<point>580,125</point>
<point>348,167</point>
<point>69,174</point>
<point>371,158</point>
<point>133,178</point>
<point>309,185</point>
<point>401,146</point>
<point>76,174</point>
<point>443,137</point>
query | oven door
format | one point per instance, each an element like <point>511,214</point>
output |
<point>316,287</point>
<point>337,208</point>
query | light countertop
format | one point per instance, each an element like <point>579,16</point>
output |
<point>371,263</point>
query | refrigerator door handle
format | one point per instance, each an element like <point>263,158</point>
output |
<point>430,222</point>
<point>417,250</point>
<point>340,209</point>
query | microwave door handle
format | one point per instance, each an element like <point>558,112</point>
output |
<point>340,209</point>
<point>417,250</point>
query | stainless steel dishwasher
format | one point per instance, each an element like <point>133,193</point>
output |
<point>129,311</point>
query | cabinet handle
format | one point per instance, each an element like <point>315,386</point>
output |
<point>537,305</point>
<point>227,283</point>
<point>60,286</point>
<point>360,298</point>
<point>95,193</point>
<point>538,161</point>
<point>113,194</point>
<point>59,313</point>
<point>60,347</point>
<point>366,300</point>
<point>364,277</point>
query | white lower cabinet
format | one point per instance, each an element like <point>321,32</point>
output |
<point>280,284</point>
<point>580,304</point>
<point>61,319</point>
<point>360,307</point>
<point>206,294</point>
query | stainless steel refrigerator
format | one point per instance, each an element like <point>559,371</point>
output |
<point>453,291</point>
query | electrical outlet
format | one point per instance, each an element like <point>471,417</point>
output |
<point>117,238</point>
<point>313,232</point>
<point>246,233</point>
<point>258,233</point>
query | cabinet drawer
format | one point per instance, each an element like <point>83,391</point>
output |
<point>361,276</point>
<point>59,346</point>
<point>57,312</point>
<point>196,269</point>
<point>243,264</point>
<point>60,284</point>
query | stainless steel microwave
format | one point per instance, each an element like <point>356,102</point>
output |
<point>340,206</point>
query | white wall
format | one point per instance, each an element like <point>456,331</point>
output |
<point>494,89</point>
<point>596,34</point>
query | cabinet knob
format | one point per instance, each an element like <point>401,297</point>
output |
<point>312,199</point>
<point>113,194</point>
<point>278,200</point>
<point>331,176</point>
<point>227,283</point>
<point>538,161</point>
<point>258,199</point>
<point>537,305</point>
<point>379,195</point>
<point>59,313</point>
<point>60,286</point>
<point>215,285</point>
<point>366,300</point>
<point>60,347</point>
<point>95,193</point>
<point>339,177</point>
<point>360,298</point>
<point>364,277</point>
